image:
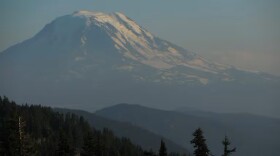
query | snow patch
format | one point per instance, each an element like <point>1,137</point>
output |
<point>157,64</point>
<point>83,40</point>
<point>174,51</point>
<point>131,23</point>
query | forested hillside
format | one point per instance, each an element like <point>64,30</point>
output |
<point>37,130</point>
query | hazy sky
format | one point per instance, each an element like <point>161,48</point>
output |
<point>244,33</point>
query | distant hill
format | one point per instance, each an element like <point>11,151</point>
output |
<point>251,134</point>
<point>138,135</point>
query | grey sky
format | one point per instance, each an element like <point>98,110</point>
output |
<point>244,33</point>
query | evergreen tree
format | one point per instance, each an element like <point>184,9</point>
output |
<point>64,148</point>
<point>26,143</point>
<point>21,125</point>
<point>13,140</point>
<point>227,151</point>
<point>162,149</point>
<point>88,148</point>
<point>19,142</point>
<point>200,146</point>
<point>98,148</point>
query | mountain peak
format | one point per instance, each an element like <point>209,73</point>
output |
<point>87,13</point>
<point>95,13</point>
<point>112,18</point>
<point>118,20</point>
<point>97,36</point>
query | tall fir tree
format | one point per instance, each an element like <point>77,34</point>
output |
<point>13,140</point>
<point>162,149</point>
<point>26,143</point>
<point>227,151</point>
<point>88,148</point>
<point>19,142</point>
<point>199,144</point>
<point>64,148</point>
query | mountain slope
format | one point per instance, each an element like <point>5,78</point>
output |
<point>139,136</point>
<point>246,132</point>
<point>89,56</point>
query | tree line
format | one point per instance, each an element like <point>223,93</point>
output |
<point>31,130</point>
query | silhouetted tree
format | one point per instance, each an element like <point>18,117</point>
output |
<point>64,148</point>
<point>199,144</point>
<point>13,140</point>
<point>18,141</point>
<point>162,149</point>
<point>27,145</point>
<point>227,151</point>
<point>88,148</point>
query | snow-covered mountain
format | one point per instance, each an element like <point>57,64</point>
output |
<point>103,54</point>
